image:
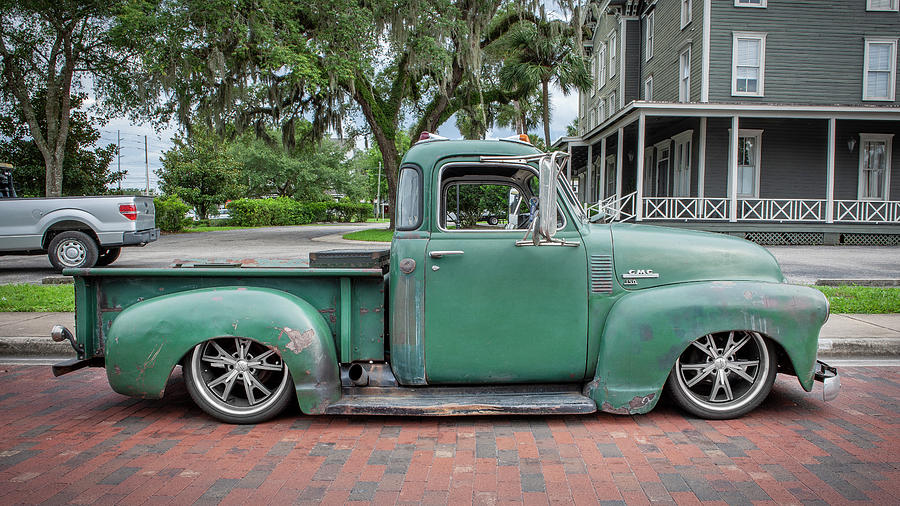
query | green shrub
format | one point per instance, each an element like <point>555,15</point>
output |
<point>287,211</point>
<point>170,213</point>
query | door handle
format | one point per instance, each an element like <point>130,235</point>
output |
<point>439,254</point>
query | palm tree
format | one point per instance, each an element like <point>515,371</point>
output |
<point>539,54</point>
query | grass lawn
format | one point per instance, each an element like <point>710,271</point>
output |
<point>31,298</point>
<point>862,299</point>
<point>844,299</point>
<point>372,234</point>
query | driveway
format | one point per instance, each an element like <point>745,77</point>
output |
<point>294,242</point>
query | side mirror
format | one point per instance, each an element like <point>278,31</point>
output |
<point>546,225</point>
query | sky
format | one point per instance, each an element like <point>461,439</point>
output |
<point>565,109</point>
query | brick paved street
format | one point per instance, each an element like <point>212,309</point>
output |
<point>74,440</point>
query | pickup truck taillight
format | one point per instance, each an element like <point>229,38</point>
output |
<point>129,211</point>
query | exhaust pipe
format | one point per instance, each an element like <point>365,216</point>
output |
<point>358,375</point>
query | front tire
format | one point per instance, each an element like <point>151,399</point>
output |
<point>237,380</point>
<point>724,375</point>
<point>72,249</point>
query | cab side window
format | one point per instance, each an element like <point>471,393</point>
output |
<point>475,206</point>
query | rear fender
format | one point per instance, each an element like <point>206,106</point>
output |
<point>646,331</point>
<point>147,340</point>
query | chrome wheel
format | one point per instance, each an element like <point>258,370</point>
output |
<point>723,375</point>
<point>237,379</point>
<point>72,249</point>
<point>71,253</point>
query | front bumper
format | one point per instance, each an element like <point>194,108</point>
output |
<point>140,237</point>
<point>828,376</point>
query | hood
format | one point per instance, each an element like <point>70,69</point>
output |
<point>647,256</point>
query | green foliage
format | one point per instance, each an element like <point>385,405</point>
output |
<point>862,299</point>
<point>201,171</point>
<point>86,169</point>
<point>286,211</point>
<point>170,213</point>
<point>34,298</point>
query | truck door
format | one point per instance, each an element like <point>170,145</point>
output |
<point>496,312</point>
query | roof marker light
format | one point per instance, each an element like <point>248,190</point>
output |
<point>517,138</point>
<point>428,136</point>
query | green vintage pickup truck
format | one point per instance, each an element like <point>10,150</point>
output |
<point>544,311</point>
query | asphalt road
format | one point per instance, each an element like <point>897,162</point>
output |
<point>801,264</point>
<point>292,243</point>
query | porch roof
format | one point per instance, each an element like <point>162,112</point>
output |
<point>631,112</point>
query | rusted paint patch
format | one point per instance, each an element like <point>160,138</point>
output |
<point>299,341</point>
<point>363,310</point>
<point>633,407</point>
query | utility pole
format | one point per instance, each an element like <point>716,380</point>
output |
<point>147,166</point>
<point>380,213</point>
<point>119,154</point>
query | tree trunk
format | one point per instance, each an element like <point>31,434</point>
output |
<point>520,117</point>
<point>53,176</point>
<point>545,102</point>
<point>391,160</point>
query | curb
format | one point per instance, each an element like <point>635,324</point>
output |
<point>34,347</point>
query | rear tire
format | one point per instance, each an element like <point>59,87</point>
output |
<point>108,256</point>
<point>237,380</point>
<point>72,249</point>
<point>724,375</point>
<point>493,220</point>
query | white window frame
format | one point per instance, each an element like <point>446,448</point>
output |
<point>687,12</point>
<point>761,37</point>
<point>744,3</point>
<point>649,38</point>
<point>893,7</point>
<point>682,139</point>
<point>684,91</point>
<point>601,111</point>
<point>601,64</point>
<point>888,140</point>
<point>757,134</point>
<point>648,88</point>
<point>594,74</point>
<point>613,57</point>
<point>667,146</point>
<point>892,84</point>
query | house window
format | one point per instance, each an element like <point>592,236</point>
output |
<point>610,183</point>
<point>874,166</point>
<point>648,89</point>
<point>748,163</point>
<point>749,3</point>
<point>879,75</point>
<point>601,111</point>
<point>663,152</point>
<point>612,55</point>
<point>684,75</point>
<point>748,63</point>
<point>593,121</point>
<point>648,37</point>
<point>594,74</point>
<point>681,177</point>
<point>686,12</point>
<point>601,65</point>
<point>651,178</point>
<point>881,5</point>
<point>613,105</point>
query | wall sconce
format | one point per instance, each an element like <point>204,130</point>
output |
<point>630,156</point>
<point>851,144</point>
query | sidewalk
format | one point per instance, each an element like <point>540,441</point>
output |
<point>843,336</point>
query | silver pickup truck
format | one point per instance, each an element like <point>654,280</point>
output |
<point>73,231</point>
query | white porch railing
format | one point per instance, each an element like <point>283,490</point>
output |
<point>867,211</point>
<point>752,210</point>
<point>685,208</point>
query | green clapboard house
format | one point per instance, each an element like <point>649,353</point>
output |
<point>805,89</point>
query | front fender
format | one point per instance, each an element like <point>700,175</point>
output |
<point>646,332</point>
<point>147,340</point>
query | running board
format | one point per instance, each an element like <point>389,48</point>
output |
<point>450,401</point>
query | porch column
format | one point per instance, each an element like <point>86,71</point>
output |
<point>733,171</point>
<point>619,149</point>
<point>701,164</point>
<point>639,190</point>
<point>569,165</point>
<point>602,194</point>
<point>587,181</point>
<point>829,173</point>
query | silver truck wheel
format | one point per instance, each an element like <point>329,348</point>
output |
<point>724,375</point>
<point>72,249</point>
<point>237,380</point>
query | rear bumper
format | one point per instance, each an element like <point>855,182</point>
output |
<point>141,237</point>
<point>830,380</point>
